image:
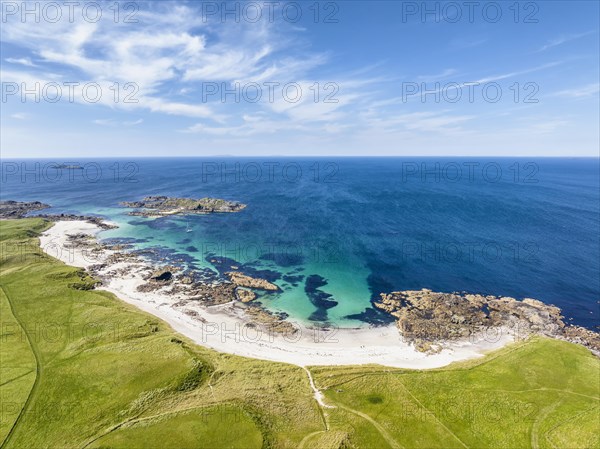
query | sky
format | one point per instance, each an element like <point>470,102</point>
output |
<point>345,78</point>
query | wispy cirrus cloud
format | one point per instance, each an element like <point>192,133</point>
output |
<point>171,55</point>
<point>580,92</point>
<point>564,39</point>
<point>171,48</point>
<point>114,122</point>
<point>438,76</point>
<point>20,116</point>
<point>21,61</point>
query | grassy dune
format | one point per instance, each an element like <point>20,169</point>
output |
<point>533,394</point>
<point>79,368</point>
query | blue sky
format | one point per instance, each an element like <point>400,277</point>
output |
<point>524,83</point>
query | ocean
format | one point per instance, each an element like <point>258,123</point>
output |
<point>335,233</point>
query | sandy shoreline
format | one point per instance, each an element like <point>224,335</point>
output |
<point>223,328</point>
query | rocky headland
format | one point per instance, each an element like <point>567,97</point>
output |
<point>157,206</point>
<point>17,209</point>
<point>430,319</point>
<point>100,222</point>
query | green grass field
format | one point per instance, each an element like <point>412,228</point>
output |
<point>81,369</point>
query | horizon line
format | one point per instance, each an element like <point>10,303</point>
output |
<point>232,156</point>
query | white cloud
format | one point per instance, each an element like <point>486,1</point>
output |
<point>171,52</point>
<point>113,122</point>
<point>588,90</point>
<point>167,48</point>
<point>564,39</point>
<point>438,76</point>
<point>22,61</point>
<point>105,122</point>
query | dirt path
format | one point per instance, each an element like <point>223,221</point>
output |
<point>319,397</point>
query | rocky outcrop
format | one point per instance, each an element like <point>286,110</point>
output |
<point>72,217</point>
<point>163,275</point>
<point>582,336</point>
<point>157,279</point>
<point>429,319</point>
<point>245,295</point>
<point>185,279</point>
<point>67,166</point>
<point>157,206</point>
<point>212,294</point>
<point>272,322</point>
<point>16,209</point>
<point>242,280</point>
<point>119,257</point>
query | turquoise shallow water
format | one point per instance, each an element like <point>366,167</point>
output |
<point>335,233</point>
<point>345,284</point>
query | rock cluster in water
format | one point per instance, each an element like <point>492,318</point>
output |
<point>188,293</point>
<point>157,206</point>
<point>429,319</point>
<point>274,323</point>
<point>242,280</point>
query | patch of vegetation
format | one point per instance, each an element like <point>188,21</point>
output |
<point>194,377</point>
<point>534,394</point>
<point>211,427</point>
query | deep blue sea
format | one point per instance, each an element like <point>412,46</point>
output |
<point>335,233</point>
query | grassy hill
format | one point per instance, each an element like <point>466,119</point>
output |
<point>79,368</point>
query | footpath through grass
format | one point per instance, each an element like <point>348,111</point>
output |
<point>79,368</point>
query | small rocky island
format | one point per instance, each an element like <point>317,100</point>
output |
<point>429,319</point>
<point>242,280</point>
<point>67,167</point>
<point>158,206</point>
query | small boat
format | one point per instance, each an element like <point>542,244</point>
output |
<point>187,227</point>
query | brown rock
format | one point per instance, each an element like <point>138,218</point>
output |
<point>245,295</point>
<point>241,280</point>
<point>427,318</point>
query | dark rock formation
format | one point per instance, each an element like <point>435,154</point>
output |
<point>245,295</point>
<point>273,322</point>
<point>157,206</point>
<point>67,167</point>
<point>429,319</point>
<point>16,209</point>
<point>241,280</point>
<point>72,217</point>
<point>213,294</point>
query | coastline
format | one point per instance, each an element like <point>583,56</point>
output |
<point>224,328</point>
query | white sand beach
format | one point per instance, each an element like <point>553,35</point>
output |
<point>225,329</point>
